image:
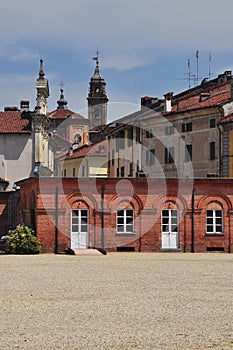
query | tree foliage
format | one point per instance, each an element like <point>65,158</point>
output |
<point>22,240</point>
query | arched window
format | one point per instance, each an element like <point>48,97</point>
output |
<point>125,221</point>
<point>214,218</point>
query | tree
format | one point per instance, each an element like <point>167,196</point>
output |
<point>22,240</point>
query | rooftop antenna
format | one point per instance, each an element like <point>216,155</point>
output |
<point>189,76</point>
<point>210,73</point>
<point>197,60</point>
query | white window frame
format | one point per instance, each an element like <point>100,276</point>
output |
<point>78,222</point>
<point>211,220</point>
<point>170,222</point>
<point>125,215</point>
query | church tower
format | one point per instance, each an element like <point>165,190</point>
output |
<point>42,153</point>
<point>97,99</point>
<point>42,87</point>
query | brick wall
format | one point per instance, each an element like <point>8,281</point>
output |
<point>147,197</point>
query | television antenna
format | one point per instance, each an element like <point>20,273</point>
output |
<point>189,76</point>
<point>210,73</point>
<point>197,61</point>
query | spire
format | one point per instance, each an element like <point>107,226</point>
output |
<point>41,72</point>
<point>62,103</point>
<point>42,87</point>
<point>97,75</point>
<point>97,98</point>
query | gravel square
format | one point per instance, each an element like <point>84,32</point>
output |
<point>117,301</point>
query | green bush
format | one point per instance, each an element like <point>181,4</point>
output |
<point>22,241</point>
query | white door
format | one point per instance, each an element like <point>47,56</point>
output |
<point>79,229</point>
<point>169,229</point>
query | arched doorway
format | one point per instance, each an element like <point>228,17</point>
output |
<point>170,227</point>
<point>79,228</point>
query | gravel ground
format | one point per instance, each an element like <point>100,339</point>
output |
<point>118,301</point>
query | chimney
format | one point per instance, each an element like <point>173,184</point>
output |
<point>168,102</point>
<point>24,106</point>
<point>10,109</point>
<point>148,101</point>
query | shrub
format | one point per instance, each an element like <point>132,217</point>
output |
<point>22,241</point>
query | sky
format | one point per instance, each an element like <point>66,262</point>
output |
<point>144,48</point>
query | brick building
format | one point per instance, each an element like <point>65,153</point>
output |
<point>147,215</point>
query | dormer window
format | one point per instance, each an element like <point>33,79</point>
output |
<point>204,96</point>
<point>77,138</point>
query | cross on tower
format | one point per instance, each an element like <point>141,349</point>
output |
<point>96,58</point>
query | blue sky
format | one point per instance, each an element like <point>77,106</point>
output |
<point>144,47</point>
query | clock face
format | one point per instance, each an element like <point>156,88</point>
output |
<point>97,89</point>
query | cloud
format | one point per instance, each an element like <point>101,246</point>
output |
<point>123,62</point>
<point>17,87</point>
<point>129,34</point>
<point>22,54</point>
<point>119,25</point>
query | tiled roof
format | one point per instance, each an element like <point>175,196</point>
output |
<point>64,114</point>
<point>216,96</point>
<point>10,122</point>
<point>3,180</point>
<point>227,119</point>
<point>98,149</point>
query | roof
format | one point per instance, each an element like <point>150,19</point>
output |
<point>205,96</point>
<point>3,181</point>
<point>227,119</point>
<point>66,114</point>
<point>60,113</point>
<point>98,149</point>
<point>213,93</point>
<point>11,122</point>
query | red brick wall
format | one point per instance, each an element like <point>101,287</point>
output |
<point>145,196</point>
<point>5,211</point>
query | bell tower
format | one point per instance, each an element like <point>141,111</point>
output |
<point>97,99</point>
<point>42,88</point>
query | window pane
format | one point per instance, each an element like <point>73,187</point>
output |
<point>219,221</point>
<point>209,213</point>
<point>120,221</point>
<point>218,228</point>
<point>165,212</point>
<point>120,213</point>
<point>174,221</point>
<point>218,213</point>
<point>75,220</point>
<point>165,228</point>
<point>74,228</point>
<point>164,220</point>
<point>120,228</point>
<point>83,228</point>
<point>209,228</point>
<point>174,228</point>
<point>129,212</point>
<point>128,220</point>
<point>129,228</point>
<point>212,123</point>
<point>209,221</point>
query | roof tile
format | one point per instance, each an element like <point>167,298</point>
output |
<point>10,122</point>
